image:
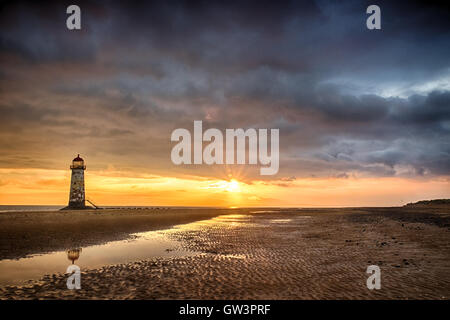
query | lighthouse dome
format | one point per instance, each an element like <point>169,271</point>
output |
<point>78,158</point>
<point>78,163</point>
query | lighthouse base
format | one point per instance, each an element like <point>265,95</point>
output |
<point>70,207</point>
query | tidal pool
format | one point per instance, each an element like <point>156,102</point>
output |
<point>145,245</point>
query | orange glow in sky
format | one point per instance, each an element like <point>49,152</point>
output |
<point>51,187</point>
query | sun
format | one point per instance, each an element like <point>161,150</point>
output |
<point>233,186</point>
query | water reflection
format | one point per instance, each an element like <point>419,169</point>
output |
<point>145,245</point>
<point>226,221</point>
<point>73,254</point>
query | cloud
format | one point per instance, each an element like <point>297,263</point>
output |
<point>136,71</point>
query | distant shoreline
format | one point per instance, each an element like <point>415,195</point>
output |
<point>421,203</point>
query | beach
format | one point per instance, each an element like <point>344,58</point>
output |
<point>248,253</point>
<point>24,233</point>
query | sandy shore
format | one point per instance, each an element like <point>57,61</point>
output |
<point>288,254</point>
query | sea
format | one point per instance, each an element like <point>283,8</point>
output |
<point>16,208</point>
<point>9,208</point>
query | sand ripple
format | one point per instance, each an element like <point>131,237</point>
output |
<point>276,255</point>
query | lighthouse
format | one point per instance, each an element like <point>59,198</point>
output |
<point>77,196</point>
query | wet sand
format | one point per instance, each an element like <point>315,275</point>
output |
<point>24,233</point>
<point>280,254</point>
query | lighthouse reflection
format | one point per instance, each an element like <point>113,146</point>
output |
<point>73,254</point>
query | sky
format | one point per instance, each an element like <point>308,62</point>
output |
<point>363,115</point>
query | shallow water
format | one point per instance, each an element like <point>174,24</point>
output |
<point>17,208</point>
<point>145,245</point>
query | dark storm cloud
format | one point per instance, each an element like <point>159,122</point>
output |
<point>346,99</point>
<point>425,110</point>
<point>28,30</point>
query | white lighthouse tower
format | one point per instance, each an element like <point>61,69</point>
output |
<point>77,196</point>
